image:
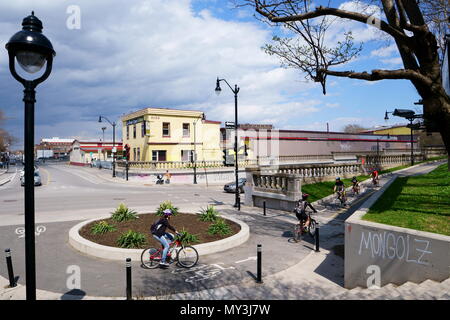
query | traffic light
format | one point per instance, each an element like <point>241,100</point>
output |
<point>127,152</point>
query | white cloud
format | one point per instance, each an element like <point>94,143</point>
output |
<point>385,51</point>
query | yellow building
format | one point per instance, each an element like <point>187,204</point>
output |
<point>395,130</point>
<point>160,134</point>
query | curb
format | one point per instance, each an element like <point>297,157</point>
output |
<point>369,181</point>
<point>110,253</point>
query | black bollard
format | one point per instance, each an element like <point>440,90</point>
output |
<point>128,267</point>
<point>126,169</point>
<point>316,237</point>
<point>264,207</point>
<point>12,282</point>
<point>259,265</point>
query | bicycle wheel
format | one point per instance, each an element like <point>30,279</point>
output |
<point>187,257</point>
<point>150,258</point>
<point>312,228</point>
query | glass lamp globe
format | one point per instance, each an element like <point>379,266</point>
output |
<point>30,61</point>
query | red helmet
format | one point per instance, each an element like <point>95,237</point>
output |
<point>305,196</point>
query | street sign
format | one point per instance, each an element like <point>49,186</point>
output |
<point>114,150</point>
<point>229,124</point>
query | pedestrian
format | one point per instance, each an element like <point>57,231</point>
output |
<point>167,176</point>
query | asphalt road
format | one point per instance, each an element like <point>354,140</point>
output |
<point>71,194</point>
<point>66,191</point>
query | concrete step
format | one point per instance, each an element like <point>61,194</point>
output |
<point>445,297</point>
<point>433,288</point>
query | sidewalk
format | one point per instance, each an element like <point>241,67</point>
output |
<point>319,276</point>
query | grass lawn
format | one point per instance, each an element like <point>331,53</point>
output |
<point>420,203</point>
<point>320,190</point>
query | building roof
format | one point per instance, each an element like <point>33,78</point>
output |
<point>163,111</point>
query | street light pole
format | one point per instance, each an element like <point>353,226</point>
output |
<point>194,155</point>
<point>32,50</point>
<point>237,203</point>
<point>412,143</point>
<point>113,124</point>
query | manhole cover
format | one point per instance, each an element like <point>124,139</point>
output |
<point>9,200</point>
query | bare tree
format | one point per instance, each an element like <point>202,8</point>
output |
<point>415,26</point>
<point>5,137</point>
<point>354,128</point>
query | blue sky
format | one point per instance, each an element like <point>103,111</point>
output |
<point>133,54</point>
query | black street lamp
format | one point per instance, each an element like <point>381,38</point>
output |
<point>31,49</point>
<point>114,143</point>
<point>103,129</point>
<point>410,115</point>
<point>218,90</point>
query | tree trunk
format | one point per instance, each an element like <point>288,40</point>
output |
<point>437,115</point>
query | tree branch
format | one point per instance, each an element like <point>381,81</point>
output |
<point>321,11</point>
<point>379,74</point>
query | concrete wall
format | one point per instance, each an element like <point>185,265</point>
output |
<point>400,254</point>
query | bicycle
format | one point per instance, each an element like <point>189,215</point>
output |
<point>356,189</point>
<point>375,181</point>
<point>186,256</point>
<point>341,196</point>
<point>299,229</point>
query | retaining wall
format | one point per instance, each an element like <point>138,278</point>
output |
<point>399,254</point>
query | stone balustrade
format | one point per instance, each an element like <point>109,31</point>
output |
<point>166,165</point>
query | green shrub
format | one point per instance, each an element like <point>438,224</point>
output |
<point>187,238</point>
<point>210,214</point>
<point>131,239</point>
<point>102,227</point>
<point>219,227</point>
<point>166,205</point>
<point>122,213</point>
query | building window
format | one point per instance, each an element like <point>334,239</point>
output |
<point>143,129</point>
<point>186,131</point>
<point>134,131</point>
<point>128,132</point>
<point>166,129</point>
<point>186,155</point>
<point>138,154</point>
<point>159,155</point>
<point>134,154</point>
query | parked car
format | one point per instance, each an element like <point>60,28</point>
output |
<point>37,179</point>
<point>231,187</point>
<point>22,172</point>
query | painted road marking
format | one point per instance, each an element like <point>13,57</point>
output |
<point>202,272</point>
<point>21,231</point>
<point>248,259</point>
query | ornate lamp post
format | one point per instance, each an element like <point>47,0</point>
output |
<point>410,115</point>
<point>114,142</point>
<point>31,49</point>
<point>218,90</point>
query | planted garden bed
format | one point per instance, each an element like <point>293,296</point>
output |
<point>197,231</point>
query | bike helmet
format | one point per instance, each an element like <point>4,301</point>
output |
<point>305,196</point>
<point>167,212</point>
<point>338,178</point>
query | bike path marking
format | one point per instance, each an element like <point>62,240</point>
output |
<point>248,259</point>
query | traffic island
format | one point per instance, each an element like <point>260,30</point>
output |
<point>105,246</point>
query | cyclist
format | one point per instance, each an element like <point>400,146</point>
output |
<point>158,231</point>
<point>339,187</point>
<point>375,176</point>
<point>355,183</point>
<point>300,210</point>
